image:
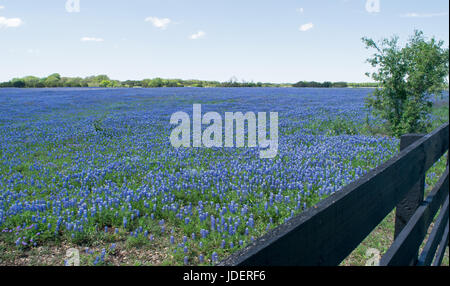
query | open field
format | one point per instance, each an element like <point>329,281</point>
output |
<point>93,169</point>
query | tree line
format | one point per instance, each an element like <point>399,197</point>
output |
<point>328,84</point>
<point>56,80</point>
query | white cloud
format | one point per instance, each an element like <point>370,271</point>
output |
<point>306,27</point>
<point>10,22</point>
<point>198,35</point>
<point>373,6</point>
<point>423,15</point>
<point>2,7</point>
<point>300,10</point>
<point>91,39</point>
<point>160,23</point>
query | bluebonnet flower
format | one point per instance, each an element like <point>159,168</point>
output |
<point>228,194</point>
<point>103,255</point>
<point>214,257</point>
<point>96,260</point>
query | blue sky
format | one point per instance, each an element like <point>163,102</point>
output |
<point>252,40</point>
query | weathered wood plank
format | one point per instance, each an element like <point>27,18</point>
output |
<point>328,232</point>
<point>405,247</point>
<point>429,251</point>
<point>408,206</point>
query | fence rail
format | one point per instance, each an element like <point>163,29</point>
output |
<point>328,232</point>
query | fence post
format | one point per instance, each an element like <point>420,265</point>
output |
<point>406,207</point>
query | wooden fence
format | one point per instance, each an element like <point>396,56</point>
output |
<point>328,232</point>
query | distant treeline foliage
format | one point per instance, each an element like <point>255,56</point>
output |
<point>56,80</point>
<point>328,84</point>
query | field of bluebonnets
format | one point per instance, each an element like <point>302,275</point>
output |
<point>94,169</point>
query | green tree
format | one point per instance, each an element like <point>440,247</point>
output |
<point>408,77</point>
<point>18,83</point>
<point>156,82</point>
<point>55,75</point>
<point>52,80</point>
<point>327,84</point>
<point>73,82</point>
<point>31,81</point>
<point>105,83</point>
